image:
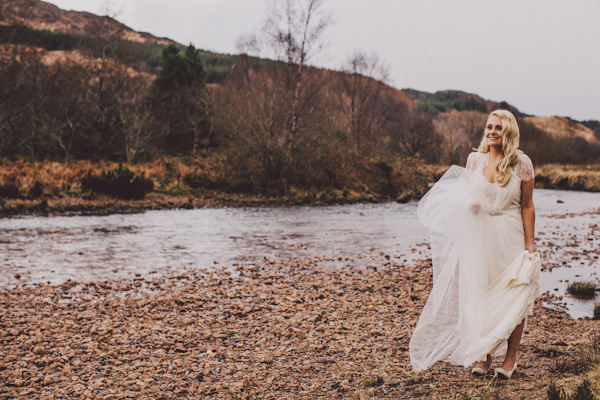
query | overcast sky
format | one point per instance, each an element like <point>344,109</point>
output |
<point>542,56</point>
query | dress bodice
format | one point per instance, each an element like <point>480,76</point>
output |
<point>491,192</point>
<point>501,197</point>
<point>523,169</point>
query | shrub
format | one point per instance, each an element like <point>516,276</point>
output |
<point>120,182</point>
<point>583,392</point>
<point>554,393</point>
<point>582,289</point>
<point>200,181</point>
<point>386,185</point>
<point>231,185</point>
<point>597,311</point>
<point>385,168</point>
<point>9,190</point>
<point>36,190</point>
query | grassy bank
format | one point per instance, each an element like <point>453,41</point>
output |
<point>56,187</point>
<point>28,187</point>
<point>569,177</point>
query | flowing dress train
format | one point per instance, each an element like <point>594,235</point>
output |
<point>484,282</point>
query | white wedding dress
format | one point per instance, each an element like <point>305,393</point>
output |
<point>484,282</point>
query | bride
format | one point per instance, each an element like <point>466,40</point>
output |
<point>485,263</point>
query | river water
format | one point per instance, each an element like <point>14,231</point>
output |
<point>88,248</point>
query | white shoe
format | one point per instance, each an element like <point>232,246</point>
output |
<point>478,371</point>
<point>504,374</point>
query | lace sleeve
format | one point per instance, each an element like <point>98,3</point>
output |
<point>524,168</point>
<point>472,161</point>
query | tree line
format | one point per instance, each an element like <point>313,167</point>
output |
<point>273,120</point>
<point>277,122</point>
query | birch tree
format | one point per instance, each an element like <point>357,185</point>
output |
<point>292,34</point>
<point>361,93</point>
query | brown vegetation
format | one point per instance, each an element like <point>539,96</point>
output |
<point>559,127</point>
<point>181,182</point>
<point>582,289</point>
<point>186,182</point>
<point>266,128</point>
<point>569,177</point>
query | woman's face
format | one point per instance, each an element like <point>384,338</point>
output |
<point>493,131</point>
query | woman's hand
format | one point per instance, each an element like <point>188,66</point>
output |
<point>474,207</point>
<point>531,248</point>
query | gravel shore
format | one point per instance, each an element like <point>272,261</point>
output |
<point>281,330</point>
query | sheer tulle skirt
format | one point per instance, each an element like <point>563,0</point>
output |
<point>477,247</point>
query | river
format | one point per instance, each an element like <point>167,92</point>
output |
<point>89,248</point>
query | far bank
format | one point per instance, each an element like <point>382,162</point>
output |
<point>105,187</point>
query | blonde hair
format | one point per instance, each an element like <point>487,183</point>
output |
<point>510,145</point>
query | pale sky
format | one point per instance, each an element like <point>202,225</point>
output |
<point>542,56</point>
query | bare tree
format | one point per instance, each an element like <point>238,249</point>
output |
<point>292,34</point>
<point>414,135</point>
<point>461,131</point>
<point>135,117</point>
<point>22,103</point>
<point>363,84</point>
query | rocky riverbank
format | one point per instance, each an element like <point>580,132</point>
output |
<point>280,330</point>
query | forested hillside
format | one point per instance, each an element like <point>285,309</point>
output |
<point>74,86</point>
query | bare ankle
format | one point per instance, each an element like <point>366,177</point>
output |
<point>509,361</point>
<point>485,364</point>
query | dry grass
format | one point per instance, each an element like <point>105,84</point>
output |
<point>563,127</point>
<point>60,178</point>
<point>61,182</point>
<point>49,187</point>
<point>585,365</point>
<point>569,177</point>
<point>586,358</point>
<point>171,176</point>
<point>582,289</point>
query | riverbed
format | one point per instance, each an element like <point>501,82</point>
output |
<point>55,249</point>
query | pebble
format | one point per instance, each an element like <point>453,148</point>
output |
<point>278,329</point>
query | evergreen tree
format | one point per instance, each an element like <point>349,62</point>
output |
<point>179,103</point>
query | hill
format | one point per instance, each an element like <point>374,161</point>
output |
<point>558,126</point>
<point>75,87</point>
<point>39,25</point>
<point>446,100</point>
<point>40,15</point>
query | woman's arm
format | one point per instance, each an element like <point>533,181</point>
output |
<point>528,214</point>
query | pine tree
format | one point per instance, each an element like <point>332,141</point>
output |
<point>179,103</point>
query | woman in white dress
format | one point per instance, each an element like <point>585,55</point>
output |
<point>485,263</point>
